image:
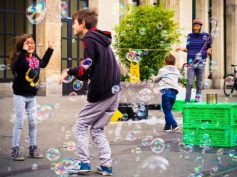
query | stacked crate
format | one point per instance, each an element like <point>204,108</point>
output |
<point>218,121</point>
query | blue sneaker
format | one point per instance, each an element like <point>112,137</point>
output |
<point>79,168</point>
<point>105,171</point>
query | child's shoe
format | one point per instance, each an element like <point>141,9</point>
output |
<point>167,130</point>
<point>105,171</point>
<point>34,152</point>
<point>175,129</point>
<point>80,168</point>
<point>16,154</point>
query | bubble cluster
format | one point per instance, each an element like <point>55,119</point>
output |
<point>36,12</point>
<point>134,56</point>
<point>205,142</point>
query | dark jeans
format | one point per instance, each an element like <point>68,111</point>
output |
<point>168,100</point>
<point>192,73</point>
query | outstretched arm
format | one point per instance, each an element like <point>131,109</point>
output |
<point>45,60</point>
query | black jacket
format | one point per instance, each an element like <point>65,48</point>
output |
<point>104,72</point>
<point>26,78</point>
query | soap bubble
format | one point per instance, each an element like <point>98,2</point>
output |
<point>145,94</point>
<point>213,20</point>
<point>72,96</point>
<point>36,12</point>
<point>125,117</point>
<point>153,165</point>
<point>198,164</point>
<point>64,7</point>
<point>68,79</point>
<point>131,136</point>
<point>157,145</point>
<point>185,148</point>
<point>213,170</point>
<point>70,146</point>
<point>207,84</point>
<point>77,85</point>
<point>142,31</point>
<point>116,89</point>
<point>205,142</point>
<point>147,141</point>
<point>86,63</point>
<point>68,163</point>
<point>60,169</point>
<point>52,154</point>
<point>34,167</point>
<point>145,52</point>
<point>159,26</point>
<point>164,33</point>
<point>44,112</point>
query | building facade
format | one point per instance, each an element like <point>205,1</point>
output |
<point>68,51</point>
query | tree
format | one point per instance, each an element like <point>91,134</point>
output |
<point>150,29</point>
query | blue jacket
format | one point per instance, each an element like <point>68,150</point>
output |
<point>197,43</point>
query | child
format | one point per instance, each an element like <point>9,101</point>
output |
<point>25,65</point>
<point>168,77</point>
<point>102,100</point>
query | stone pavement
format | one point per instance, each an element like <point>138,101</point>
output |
<point>130,158</point>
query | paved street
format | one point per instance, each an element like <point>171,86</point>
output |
<point>130,157</point>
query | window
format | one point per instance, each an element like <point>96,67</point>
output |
<point>70,44</point>
<point>12,22</point>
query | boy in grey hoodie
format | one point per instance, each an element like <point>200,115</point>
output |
<point>167,79</point>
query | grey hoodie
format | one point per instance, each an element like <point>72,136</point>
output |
<point>168,77</point>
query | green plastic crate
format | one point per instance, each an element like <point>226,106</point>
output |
<point>217,114</point>
<point>225,136</point>
<point>178,105</point>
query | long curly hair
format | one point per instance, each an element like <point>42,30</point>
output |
<point>18,46</point>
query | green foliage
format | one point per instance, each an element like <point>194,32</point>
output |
<point>139,30</point>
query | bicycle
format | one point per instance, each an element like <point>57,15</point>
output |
<point>230,82</point>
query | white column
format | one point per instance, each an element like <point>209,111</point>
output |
<point>50,30</point>
<point>218,45</point>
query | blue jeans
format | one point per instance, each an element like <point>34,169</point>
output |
<point>25,106</point>
<point>192,73</point>
<point>168,100</point>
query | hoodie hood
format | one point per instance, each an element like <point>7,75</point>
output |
<point>103,37</point>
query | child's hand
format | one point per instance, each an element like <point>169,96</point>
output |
<point>63,76</point>
<point>26,46</point>
<point>50,44</point>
